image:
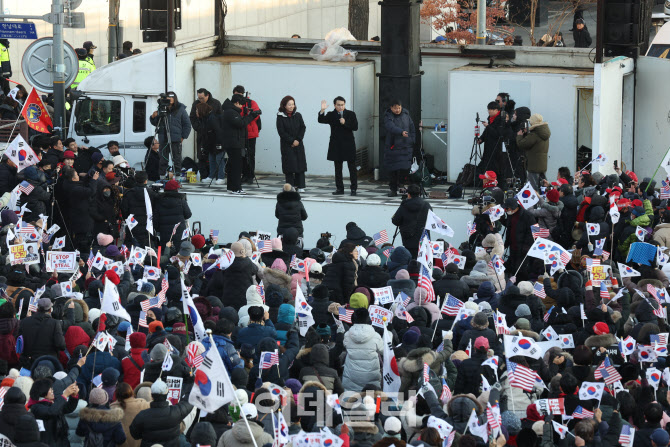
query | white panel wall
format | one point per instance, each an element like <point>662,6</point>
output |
<point>554,96</point>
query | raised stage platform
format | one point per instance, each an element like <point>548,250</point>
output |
<point>215,208</point>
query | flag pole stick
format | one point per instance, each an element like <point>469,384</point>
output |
<point>435,330</point>
<point>657,168</point>
<point>520,265</point>
<point>239,404</point>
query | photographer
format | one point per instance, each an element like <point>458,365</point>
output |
<point>534,144</point>
<point>234,139</point>
<point>198,124</point>
<point>170,117</point>
<point>253,132</point>
<point>212,142</point>
<point>495,133</point>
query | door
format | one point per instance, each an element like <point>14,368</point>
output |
<point>97,120</point>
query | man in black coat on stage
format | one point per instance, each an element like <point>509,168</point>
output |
<point>342,146</point>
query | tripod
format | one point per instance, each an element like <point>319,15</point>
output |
<point>163,120</point>
<point>422,166</point>
<point>475,152</point>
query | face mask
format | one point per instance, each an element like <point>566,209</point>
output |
<point>509,213</point>
<point>123,165</point>
<point>107,193</point>
<point>150,320</point>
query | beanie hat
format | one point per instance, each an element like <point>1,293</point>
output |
<point>522,324</point>
<point>451,268</point>
<point>154,325</point>
<point>364,291</point>
<point>420,295</point>
<point>97,396</point>
<point>138,340</point>
<point>471,305</point>
<point>638,211</point>
<point>112,251</point>
<point>172,185</point>
<point>522,311</point>
<point>93,315</point>
<point>512,422</point>
<point>374,261</point>
<point>148,289</point>
<point>410,338</point>
<point>402,274</point>
<point>486,290</point>
<point>8,217</point>
<point>110,376</point>
<point>198,241</point>
<point>553,196</point>
<point>535,119</point>
<point>104,239</point>
<point>392,425</point>
<point>482,343</point>
<point>123,326</point>
<point>159,387</point>
<point>601,328</point>
<point>279,264</point>
<point>358,301</point>
<point>186,248</point>
<point>525,288</point>
<point>479,320</point>
<point>113,277</point>
<point>158,353</point>
<point>276,244</point>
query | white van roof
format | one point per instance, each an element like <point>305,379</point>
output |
<point>142,74</point>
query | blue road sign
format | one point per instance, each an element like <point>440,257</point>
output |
<point>17,30</point>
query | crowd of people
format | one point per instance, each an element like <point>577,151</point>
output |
<point>546,327</point>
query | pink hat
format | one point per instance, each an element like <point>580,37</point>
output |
<point>276,244</point>
<point>279,264</point>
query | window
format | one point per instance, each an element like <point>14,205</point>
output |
<point>98,117</point>
<point>139,116</point>
<point>659,50</point>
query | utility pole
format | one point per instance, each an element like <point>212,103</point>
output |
<point>58,63</point>
<point>481,22</point>
<point>113,44</point>
<point>170,24</point>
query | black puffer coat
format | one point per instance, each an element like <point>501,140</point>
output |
<point>159,424</point>
<point>8,179</point>
<point>37,201</point>
<point>133,203</point>
<point>236,280</point>
<point>341,277</point>
<point>398,149</point>
<point>410,217</point>
<point>234,126</point>
<point>171,208</point>
<point>9,415</point>
<point>83,161</point>
<point>291,128</point>
<point>290,212</point>
<point>451,283</point>
<point>597,216</point>
<point>372,276</point>
<point>105,214</point>
<point>79,204</point>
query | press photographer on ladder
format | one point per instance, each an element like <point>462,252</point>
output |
<point>173,127</point>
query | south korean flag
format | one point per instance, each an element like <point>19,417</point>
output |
<point>527,197</point>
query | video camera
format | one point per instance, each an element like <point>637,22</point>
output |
<point>164,104</point>
<point>482,200</point>
<point>326,235</point>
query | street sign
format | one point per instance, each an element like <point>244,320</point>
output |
<point>37,64</point>
<point>17,30</point>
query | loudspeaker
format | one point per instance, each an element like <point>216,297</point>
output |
<point>626,27</point>
<point>154,16</point>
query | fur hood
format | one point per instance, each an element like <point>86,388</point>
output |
<point>456,408</point>
<point>415,360</point>
<point>303,352</point>
<point>534,335</point>
<point>600,341</point>
<point>90,414</point>
<point>80,310</point>
<point>314,383</point>
<point>271,276</point>
<point>363,427</point>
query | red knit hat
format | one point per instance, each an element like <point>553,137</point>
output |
<point>113,277</point>
<point>198,241</point>
<point>553,196</point>
<point>172,185</point>
<point>154,325</point>
<point>601,328</point>
<point>138,340</point>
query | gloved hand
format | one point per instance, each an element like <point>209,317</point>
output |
<point>334,308</point>
<point>449,335</point>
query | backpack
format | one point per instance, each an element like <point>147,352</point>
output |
<point>94,439</point>
<point>467,176</point>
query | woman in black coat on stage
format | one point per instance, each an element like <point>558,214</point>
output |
<point>291,130</point>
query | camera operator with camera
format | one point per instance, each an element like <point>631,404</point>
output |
<point>199,123</point>
<point>253,132</point>
<point>533,142</point>
<point>497,131</point>
<point>173,126</point>
<point>234,139</point>
<point>490,196</point>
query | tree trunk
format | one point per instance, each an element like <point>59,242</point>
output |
<point>359,16</point>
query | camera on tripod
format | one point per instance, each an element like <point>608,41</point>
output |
<point>482,200</point>
<point>513,183</point>
<point>164,104</point>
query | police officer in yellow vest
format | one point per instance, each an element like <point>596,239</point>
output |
<point>89,47</point>
<point>5,66</point>
<point>85,67</point>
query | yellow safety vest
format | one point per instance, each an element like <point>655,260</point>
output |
<point>85,69</point>
<point>90,60</point>
<point>4,53</point>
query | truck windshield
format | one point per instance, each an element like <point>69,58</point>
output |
<point>659,50</point>
<point>98,117</point>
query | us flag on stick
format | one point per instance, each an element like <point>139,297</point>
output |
<point>426,283</point>
<point>665,189</point>
<point>520,376</point>
<point>451,305</point>
<point>538,231</point>
<point>345,314</point>
<point>26,187</point>
<point>627,435</point>
<point>538,290</point>
<point>607,372</point>
<point>269,359</point>
<point>380,238</point>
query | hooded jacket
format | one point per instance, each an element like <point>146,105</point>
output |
<point>410,217</point>
<point>239,435</point>
<point>236,281</point>
<point>100,419</point>
<point>290,212</point>
<point>399,260</point>
<point>431,308</point>
<point>452,284</point>
<point>320,372</point>
<point>159,424</point>
<point>372,276</point>
<point>410,368</point>
<point>341,276</point>
<point>285,320</point>
<point>597,216</point>
<point>364,346</point>
<point>133,407</point>
<point>548,213</point>
<point>356,236</point>
<point>535,145</point>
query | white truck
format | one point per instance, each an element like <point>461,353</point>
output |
<point>116,101</point>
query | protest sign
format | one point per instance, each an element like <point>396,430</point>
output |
<point>174,388</point>
<point>383,295</point>
<point>377,315</point>
<point>26,253</point>
<point>61,261</point>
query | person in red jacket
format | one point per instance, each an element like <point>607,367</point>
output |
<point>133,364</point>
<point>253,131</point>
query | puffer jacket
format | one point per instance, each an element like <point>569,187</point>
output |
<point>452,284</point>
<point>398,260</point>
<point>372,277</point>
<point>341,276</point>
<point>597,215</point>
<point>285,319</point>
<point>535,145</point>
<point>319,371</point>
<point>290,212</point>
<point>236,281</point>
<point>171,208</point>
<point>431,308</point>
<point>662,234</point>
<point>159,424</point>
<point>364,346</point>
<point>402,285</point>
<point>100,419</point>
<point>410,368</point>
<point>226,349</point>
<point>239,435</point>
<point>178,124</point>
<point>253,300</point>
<point>548,213</point>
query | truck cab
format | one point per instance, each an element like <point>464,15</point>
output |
<point>115,102</point>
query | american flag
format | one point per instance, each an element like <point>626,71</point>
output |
<point>192,359</point>
<point>538,231</point>
<point>446,392</point>
<point>603,290</point>
<point>564,254</point>
<point>380,238</point>
<point>660,338</point>
<point>472,228</point>
<point>406,301</point>
<point>546,316</point>
<point>264,246</point>
<point>607,372</point>
<point>538,290</point>
<point>91,258</point>
<point>26,228</point>
<point>345,314</point>
<point>520,377</point>
<point>665,189</point>
<point>492,419</point>
<point>652,291</point>
<point>582,413</point>
<point>26,187</point>
<point>606,255</point>
<point>143,319</point>
<point>387,252</point>
<point>450,439</point>
<point>451,305</point>
<point>124,251</point>
<point>214,236</point>
<point>261,291</point>
<point>426,373</point>
<point>165,285</point>
<point>269,359</point>
<point>426,283</point>
<point>627,435</point>
<point>151,302</point>
<point>410,320</point>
